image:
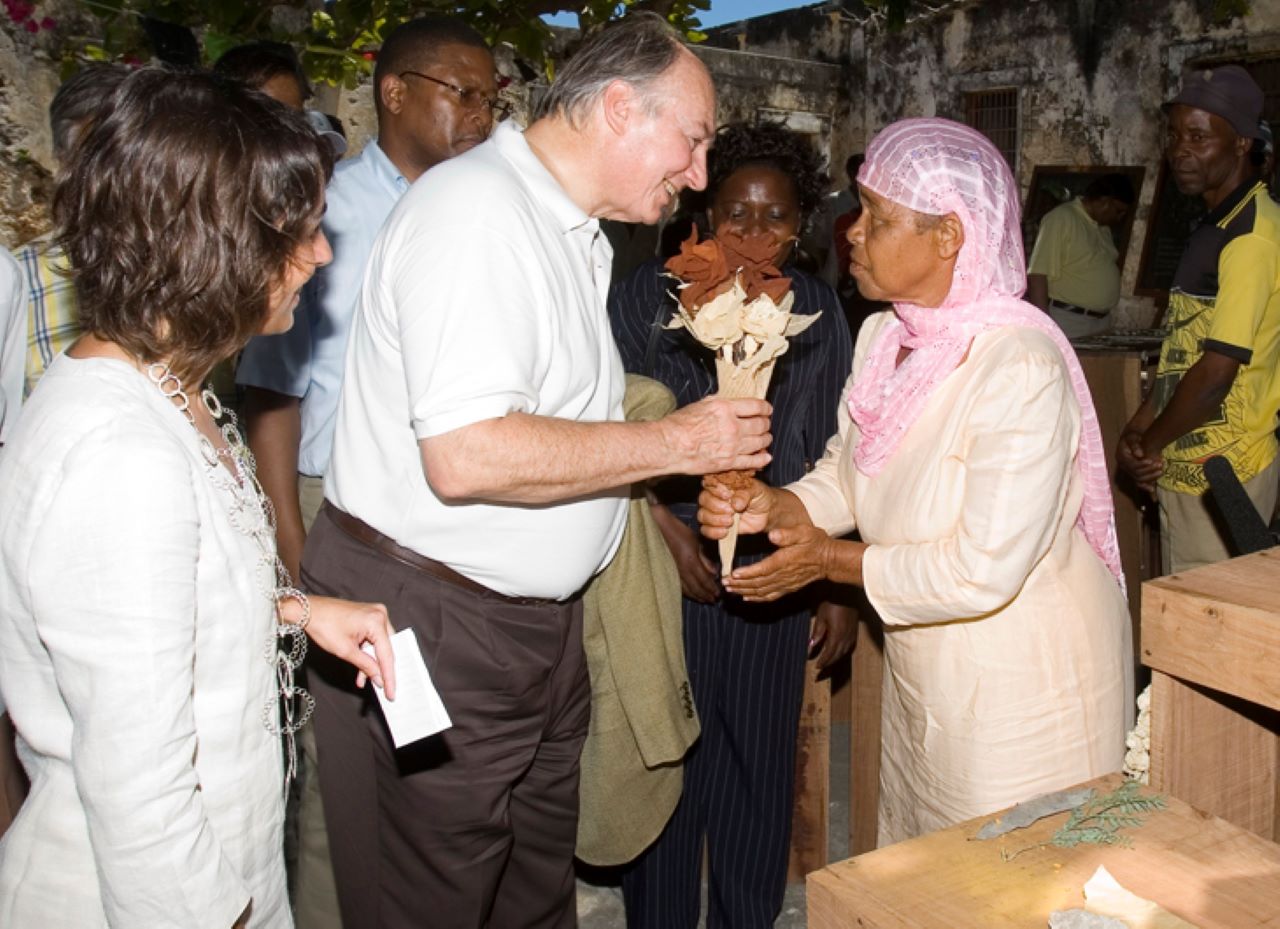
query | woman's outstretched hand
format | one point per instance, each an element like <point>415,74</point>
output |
<point>341,627</point>
<point>805,554</point>
<point>800,560</point>
<point>719,501</point>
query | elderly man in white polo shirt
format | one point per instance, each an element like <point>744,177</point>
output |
<point>436,90</point>
<point>479,479</point>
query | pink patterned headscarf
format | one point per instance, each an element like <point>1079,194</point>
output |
<point>936,166</point>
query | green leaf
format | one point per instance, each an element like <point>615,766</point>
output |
<point>215,43</point>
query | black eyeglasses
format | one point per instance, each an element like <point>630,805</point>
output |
<point>470,99</point>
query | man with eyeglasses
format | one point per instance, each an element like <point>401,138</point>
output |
<point>481,475</point>
<point>435,95</point>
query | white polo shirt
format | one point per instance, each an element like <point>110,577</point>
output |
<point>485,295</point>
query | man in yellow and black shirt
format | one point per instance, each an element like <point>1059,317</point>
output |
<point>1217,387</point>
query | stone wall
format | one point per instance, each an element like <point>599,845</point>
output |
<point>28,77</point>
<point>807,96</point>
<point>814,32</point>
<point>1091,78</point>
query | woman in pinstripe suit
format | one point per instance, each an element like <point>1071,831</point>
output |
<point>746,661</point>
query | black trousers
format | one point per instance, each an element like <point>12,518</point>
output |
<point>747,674</point>
<point>474,827</point>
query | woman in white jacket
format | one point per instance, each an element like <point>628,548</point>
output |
<point>147,634</point>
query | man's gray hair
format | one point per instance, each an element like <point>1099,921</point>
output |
<point>637,49</point>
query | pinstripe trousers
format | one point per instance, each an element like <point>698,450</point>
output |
<point>746,663</point>
<point>747,674</point>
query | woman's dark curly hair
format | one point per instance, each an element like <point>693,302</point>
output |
<point>181,208</point>
<point>739,144</point>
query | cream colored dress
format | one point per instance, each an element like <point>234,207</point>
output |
<point>1008,652</point>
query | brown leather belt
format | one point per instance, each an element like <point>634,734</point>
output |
<point>364,533</point>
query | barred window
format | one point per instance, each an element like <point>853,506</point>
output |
<point>994,113</point>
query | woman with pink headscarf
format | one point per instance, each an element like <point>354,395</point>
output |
<point>969,459</point>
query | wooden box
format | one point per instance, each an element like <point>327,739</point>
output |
<point>1116,382</point>
<point>1212,639</point>
<point>1209,872</point>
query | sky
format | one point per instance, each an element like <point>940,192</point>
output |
<point>721,12</point>
<point>730,11</point>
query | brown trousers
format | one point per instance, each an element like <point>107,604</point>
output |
<point>474,827</point>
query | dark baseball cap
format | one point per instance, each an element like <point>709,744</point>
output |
<point>1228,92</point>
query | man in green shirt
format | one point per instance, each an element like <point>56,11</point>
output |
<point>1074,274</point>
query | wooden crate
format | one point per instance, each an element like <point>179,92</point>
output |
<point>1115,381</point>
<point>1212,639</point>
<point>1204,869</point>
<point>810,823</point>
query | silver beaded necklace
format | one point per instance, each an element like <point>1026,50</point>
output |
<point>251,513</point>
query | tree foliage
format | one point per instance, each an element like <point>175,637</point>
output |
<point>339,38</point>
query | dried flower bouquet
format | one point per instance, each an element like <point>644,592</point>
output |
<point>734,301</point>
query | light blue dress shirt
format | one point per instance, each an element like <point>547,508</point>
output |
<point>307,361</point>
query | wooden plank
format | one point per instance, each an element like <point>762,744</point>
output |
<point>1115,382</point>
<point>809,819</point>
<point>1216,752</point>
<point>1218,626</point>
<point>864,733</point>
<point>840,690</point>
<point>1275,798</point>
<point>1201,868</point>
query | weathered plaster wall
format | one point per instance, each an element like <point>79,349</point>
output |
<point>811,32</point>
<point>800,61</point>
<point>1091,87</point>
<point>355,109</point>
<point>809,96</point>
<point>28,78</point>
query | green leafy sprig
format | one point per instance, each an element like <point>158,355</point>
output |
<point>1098,821</point>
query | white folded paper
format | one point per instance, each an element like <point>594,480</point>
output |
<point>417,711</point>
<point>1104,894</point>
<point>1083,919</point>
